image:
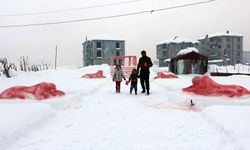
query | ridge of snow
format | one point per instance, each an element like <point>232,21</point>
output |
<point>104,37</point>
<point>177,40</point>
<point>218,34</point>
<point>187,50</point>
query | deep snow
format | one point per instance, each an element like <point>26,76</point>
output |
<point>93,117</point>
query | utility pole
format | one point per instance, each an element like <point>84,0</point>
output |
<point>56,57</point>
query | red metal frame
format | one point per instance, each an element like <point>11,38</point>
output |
<point>132,60</point>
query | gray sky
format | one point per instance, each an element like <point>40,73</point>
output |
<point>140,31</point>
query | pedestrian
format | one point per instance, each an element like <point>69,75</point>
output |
<point>133,79</point>
<point>143,68</point>
<point>118,76</point>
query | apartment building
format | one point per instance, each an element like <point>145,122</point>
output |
<point>225,47</point>
<point>99,49</point>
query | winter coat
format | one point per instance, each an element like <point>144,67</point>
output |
<point>118,75</point>
<point>144,64</point>
<point>133,77</point>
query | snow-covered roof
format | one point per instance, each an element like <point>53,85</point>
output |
<point>177,40</point>
<point>167,60</point>
<point>104,37</point>
<point>187,50</point>
<point>218,34</point>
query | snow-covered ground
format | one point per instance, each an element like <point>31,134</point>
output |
<point>93,117</point>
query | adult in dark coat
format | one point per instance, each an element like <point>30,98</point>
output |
<point>143,68</point>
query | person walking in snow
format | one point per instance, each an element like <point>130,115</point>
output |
<point>133,78</point>
<point>118,76</point>
<point>143,65</point>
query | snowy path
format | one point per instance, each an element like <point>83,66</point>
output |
<point>104,120</point>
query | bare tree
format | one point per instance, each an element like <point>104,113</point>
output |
<point>6,66</point>
<point>23,63</point>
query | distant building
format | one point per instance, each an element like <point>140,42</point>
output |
<point>169,48</point>
<point>246,57</point>
<point>100,49</point>
<point>225,47</point>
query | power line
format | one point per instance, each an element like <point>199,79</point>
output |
<point>67,10</point>
<point>106,17</point>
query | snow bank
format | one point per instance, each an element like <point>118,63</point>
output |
<point>234,120</point>
<point>19,118</point>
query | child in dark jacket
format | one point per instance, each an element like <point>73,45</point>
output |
<point>133,78</point>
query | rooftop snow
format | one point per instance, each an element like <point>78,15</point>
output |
<point>187,50</point>
<point>221,34</point>
<point>178,40</point>
<point>104,37</point>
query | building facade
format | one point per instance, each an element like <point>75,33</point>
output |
<point>100,49</point>
<point>169,49</point>
<point>223,47</point>
<point>246,57</point>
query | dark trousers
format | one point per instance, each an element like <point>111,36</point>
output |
<point>117,86</point>
<point>133,86</point>
<point>144,79</point>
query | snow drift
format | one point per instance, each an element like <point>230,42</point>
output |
<point>203,85</point>
<point>40,91</point>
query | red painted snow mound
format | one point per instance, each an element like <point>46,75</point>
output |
<point>41,91</point>
<point>98,74</point>
<point>164,75</point>
<point>203,85</point>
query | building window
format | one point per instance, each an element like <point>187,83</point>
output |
<point>98,45</point>
<point>117,45</point>
<point>219,46</point>
<point>238,39</point>
<point>238,53</point>
<point>238,47</point>
<point>228,39</point>
<point>164,46</point>
<point>164,54</point>
<point>99,53</point>
<point>228,46</point>
<point>117,53</point>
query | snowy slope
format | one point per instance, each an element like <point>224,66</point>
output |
<point>93,116</point>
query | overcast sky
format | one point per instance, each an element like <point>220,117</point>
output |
<point>142,31</point>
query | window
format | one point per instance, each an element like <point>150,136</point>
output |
<point>228,39</point>
<point>219,46</point>
<point>212,46</point>
<point>117,53</point>
<point>238,39</point>
<point>164,46</point>
<point>228,46</point>
<point>117,45</point>
<point>238,47</point>
<point>164,54</point>
<point>98,45</point>
<point>238,53</point>
<point>99,53</point>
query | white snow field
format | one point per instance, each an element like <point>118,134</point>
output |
<point>93,117</point>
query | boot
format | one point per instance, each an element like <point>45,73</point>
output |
<point>147,92</point>
<point>135,92</point>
